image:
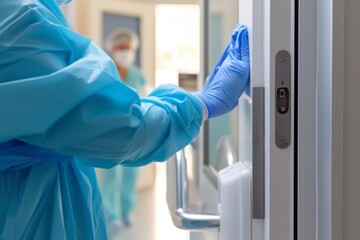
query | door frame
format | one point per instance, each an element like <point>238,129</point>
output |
<point>306,72</point>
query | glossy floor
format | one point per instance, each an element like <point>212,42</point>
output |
<point>152,218</point>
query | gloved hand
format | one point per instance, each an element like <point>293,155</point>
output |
<point>226,83</point>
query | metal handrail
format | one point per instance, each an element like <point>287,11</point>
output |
<point>180,213</point>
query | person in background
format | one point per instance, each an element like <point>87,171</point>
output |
<point>64,110</point>
<point>118,184</point>
<point>122,44</point>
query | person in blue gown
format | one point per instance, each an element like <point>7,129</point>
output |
<point>118,184</point>
<point>62,115</point>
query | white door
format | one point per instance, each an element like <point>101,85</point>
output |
<point>257,137</point>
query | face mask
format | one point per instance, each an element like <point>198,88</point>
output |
<point>124,58</point>
<point>62,2</point>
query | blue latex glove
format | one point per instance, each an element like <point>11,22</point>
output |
<point>228,80</point>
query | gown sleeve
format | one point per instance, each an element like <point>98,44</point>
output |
<point>60,91</point>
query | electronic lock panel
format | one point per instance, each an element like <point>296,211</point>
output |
<point>282,95</point>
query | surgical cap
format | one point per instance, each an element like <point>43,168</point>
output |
<point>120,36</point>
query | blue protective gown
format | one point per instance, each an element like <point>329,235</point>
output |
<point>61,115</point>
<point>118,184</point>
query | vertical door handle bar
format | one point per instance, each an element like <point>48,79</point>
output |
<point>258,164</point>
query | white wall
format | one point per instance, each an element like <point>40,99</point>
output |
<point>351,164</point>
<point>338,114</point>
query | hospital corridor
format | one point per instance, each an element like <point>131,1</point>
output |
<point>179,120</point>
<point>152,220</point>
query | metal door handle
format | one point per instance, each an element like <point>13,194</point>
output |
<point>178,200</point>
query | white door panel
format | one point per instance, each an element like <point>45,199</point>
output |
<point>271,169</point>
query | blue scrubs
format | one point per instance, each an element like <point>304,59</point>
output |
<point>61,115</point>
<point>135,78</point>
